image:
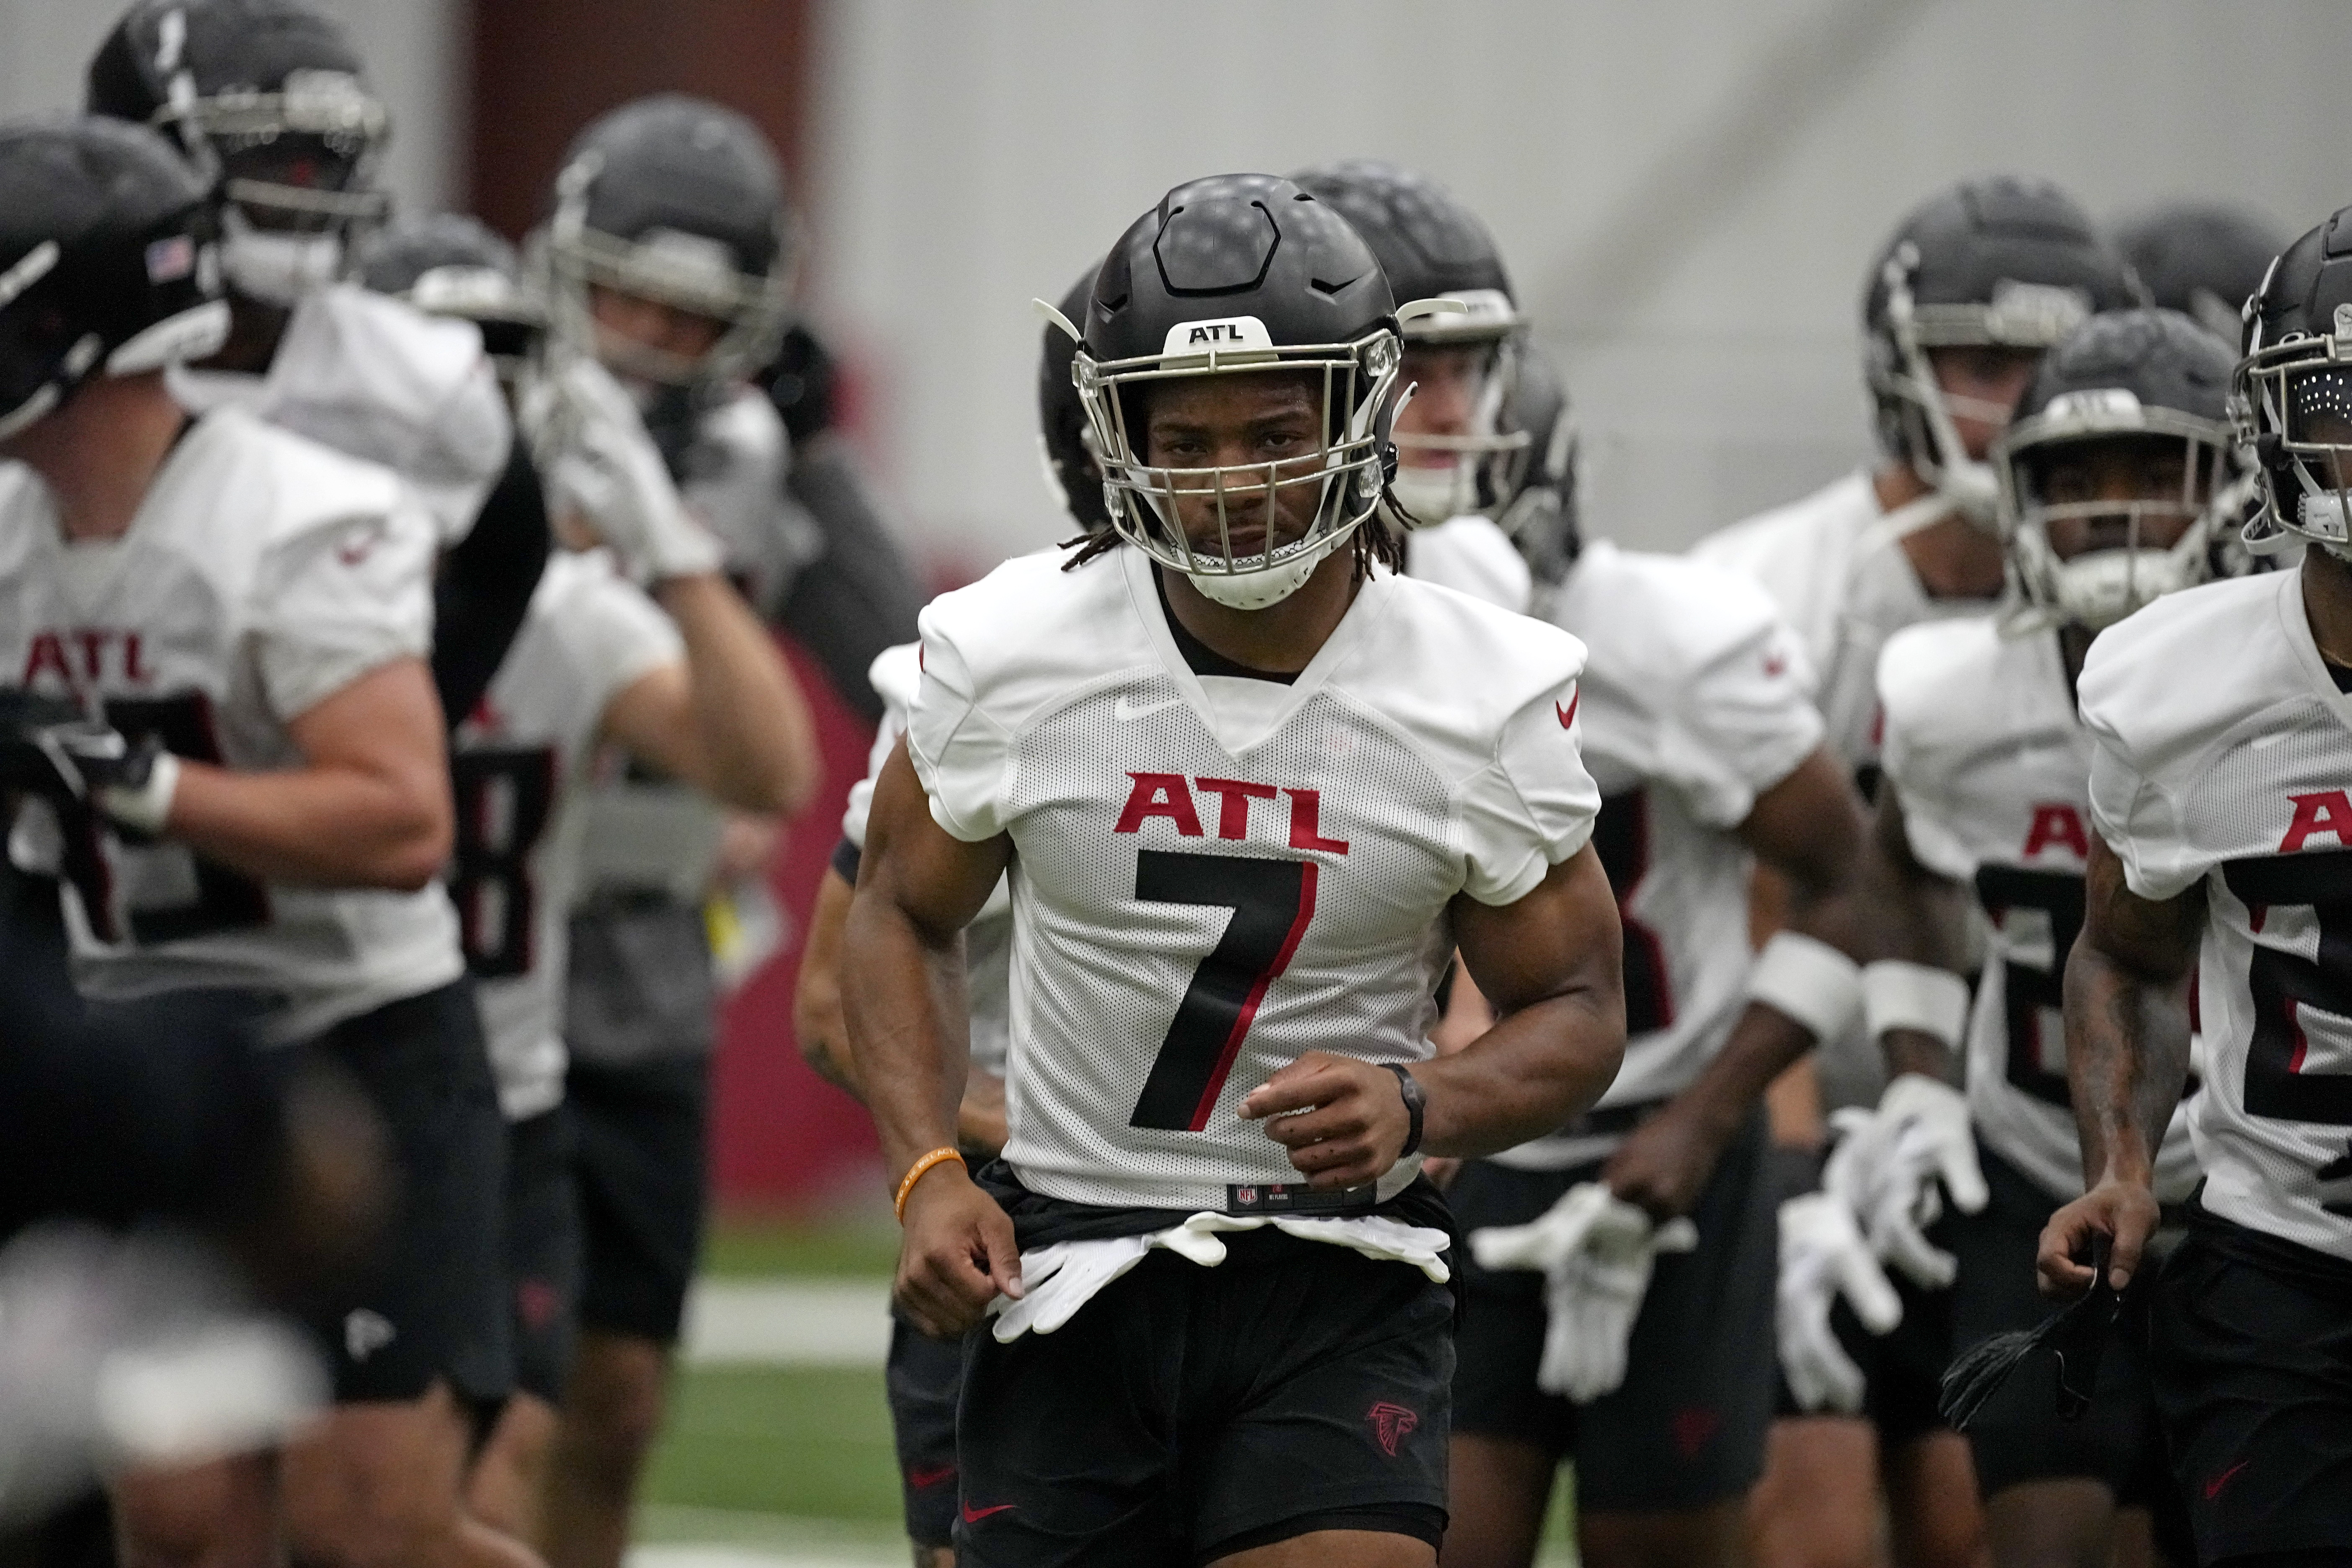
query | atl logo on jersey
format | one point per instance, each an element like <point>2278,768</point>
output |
<point>103,652</point>
<point>1170,795</point>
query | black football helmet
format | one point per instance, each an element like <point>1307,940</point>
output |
<point>1537,508</point>
<point>2152,374</point>
<point>2290,399</point>
<point>2201,259</point>
<point>448,263</point>
<point>1240,275</point>
<point>267,100</point>
<point>1064,442</point>
<point>107,265</point>
<point>1434,248</point>
<point>2000,261</point>
<point>677,200</point>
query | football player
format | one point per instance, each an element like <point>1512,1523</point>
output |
<point>261,803</point>
<point>2220,763</point>
<point>667,258</point>
<point>2202,259</point>
<point>2120,482</point>
<point>1259,787</point>
<point>684,679</point>
<point>1658,1383</point>
<point>1957,308</point>
<point>1457,456</point>
<point>268,101</point>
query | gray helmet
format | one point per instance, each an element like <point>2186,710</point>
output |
<point>1238,275</point>
<point>2290,399</point>
<point>1063,438</point>
<point>2152,374</point>
<point>2000,261</point>
<point>2202,259</point>
<point>677,200</point>
<point>1539,506</point>
<point>448,264</point>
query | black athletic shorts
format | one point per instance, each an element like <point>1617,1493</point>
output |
<point>432,1302</point>
<point>1687,1426</point>
<point>640,1148</point>
<point>2252,1349</point>
<point>921,1377</point>
<point>2017,1436</point>
<point>1189,1413</point>
<point>542,1250</point>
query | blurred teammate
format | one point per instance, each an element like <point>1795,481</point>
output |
<point>2202,259</point>
<point>2218,767</point>
<point>260,807</point>
<point>1457,456</point>
<point>2119,486</point>
<point>685,681</point>
<point>1249,787</point>
<point>1958,308</point>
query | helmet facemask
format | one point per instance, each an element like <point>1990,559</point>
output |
<point>1240,549</point>
<point>1476,468</point>
<point>2293,403</point>
<point>2098,586</point>
<point>2024,316</point>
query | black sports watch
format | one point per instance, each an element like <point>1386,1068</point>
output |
<point>1415,1103</point>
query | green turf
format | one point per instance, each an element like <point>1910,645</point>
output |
<point>813,1442</point>
<point>740,1246</point>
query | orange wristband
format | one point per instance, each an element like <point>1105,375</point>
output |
<point>915,1173</point>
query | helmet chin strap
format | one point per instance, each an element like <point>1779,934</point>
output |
<point>1267,586</point>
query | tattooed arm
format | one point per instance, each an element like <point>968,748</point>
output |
<point>2127,1059</point>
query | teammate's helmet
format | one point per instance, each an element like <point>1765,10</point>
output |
<point>1434,248</point>
<point>267,100</point>
<point>107,265</point>
<point>1539,508</point>
<point>1240,275</point>
<point>2292,398</point>
<point>2147,373</point>
<point>2001,261</point>
<point>1063,439</point>
<point>448,263</point>
<point>2202,260</point>
<point>676,200</point>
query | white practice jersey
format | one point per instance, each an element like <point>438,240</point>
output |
<point>519,762</point>
<point>896,674</point>
<point>1693,703</point>
<point>1834,564</point>
<point>1994,770</point>
<point>2223,757</point>
<point>1214,875</point>
<point>1470,554</point>
<point>262,575</point>
<point>378,379</point>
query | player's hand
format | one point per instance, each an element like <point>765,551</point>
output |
<point>1896,1163</point>
<point>90,763</point>
<point>956,1255</point>
<point>1664,1164</point>
<point>2124,1210</point>
<point>1824,1257</point>
<point>1343,1120</point>
<point>599,464</point>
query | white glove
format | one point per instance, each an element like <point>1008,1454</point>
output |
<point>1596,1252</point>
<point>595,460</point>
<point>1888,1167</point>
<point>1057,1281</point>
<point>1824,1257</point>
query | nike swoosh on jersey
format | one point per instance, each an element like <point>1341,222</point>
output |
<point>1568,714</point>
<point>1126,711</point>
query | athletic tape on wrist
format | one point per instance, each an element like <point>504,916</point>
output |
<point>1897,995</point>
<point>1809,980</point>
<point>146,808</point>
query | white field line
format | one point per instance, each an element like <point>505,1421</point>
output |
<point>786,1322</point>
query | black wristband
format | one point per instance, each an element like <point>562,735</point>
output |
<point>1415,1103</point>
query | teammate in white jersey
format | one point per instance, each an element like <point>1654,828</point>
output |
<point>2120,484</point>
<point>1456,455</point>
<point>265,805</point>
<point>1256,796</point>
<point>2218,774</point>
<point>1957,307</point>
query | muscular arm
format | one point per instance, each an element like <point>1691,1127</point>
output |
<point>1808,830</point>
<point>2127,1060</point>
<point>730,720</point>
<point>369,808</point>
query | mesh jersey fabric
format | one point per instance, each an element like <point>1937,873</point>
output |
<point>520,759</point>
<point>1213,876</point>
<point>1993,768</point>
<point>2221,758</point>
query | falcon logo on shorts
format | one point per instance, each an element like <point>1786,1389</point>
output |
<point>1391,1423</point>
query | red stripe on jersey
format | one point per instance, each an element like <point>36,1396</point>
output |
<point>1233,1047</point>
